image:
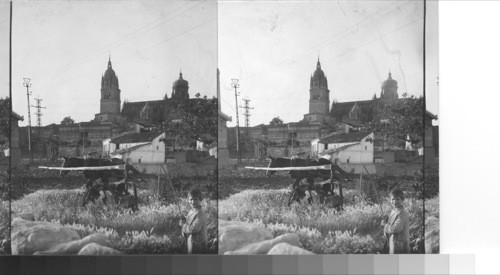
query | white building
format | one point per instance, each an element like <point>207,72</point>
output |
<point>142,148</point>
<point>356,147</point>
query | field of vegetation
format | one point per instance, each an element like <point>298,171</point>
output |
<point>151,230</point>
<point>251,197</point>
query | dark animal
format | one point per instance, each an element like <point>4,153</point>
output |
<point>93,175</point>
<point>324,188</point>
<point>309,174</point>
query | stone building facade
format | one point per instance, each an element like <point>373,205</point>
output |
<point>295,138</point>
<point>86,137</point>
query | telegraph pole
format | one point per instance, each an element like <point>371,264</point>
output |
<point>236,85</point>
<point>27,84</point>
<point>247,122</point>
<point>38,113</point>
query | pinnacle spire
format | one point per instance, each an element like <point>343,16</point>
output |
<point>318,65</point>
<point>109,61</point>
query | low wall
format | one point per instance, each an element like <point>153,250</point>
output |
<point>185,169</point>
<point>393,169</point>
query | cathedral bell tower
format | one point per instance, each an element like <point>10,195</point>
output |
<point>110,91</point>
<point>319,100</point>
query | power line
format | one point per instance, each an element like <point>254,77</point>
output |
<point>333,39</point>
<point>346,52</point>
<point>138,52</point>
<point>106,47</point>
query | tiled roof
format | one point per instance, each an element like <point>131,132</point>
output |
<point>144,123</point>
<point>225,117</point>
<point>122,151</point>
<point>17,116</point>
<point>354,124</point>
<point>430,115</point>
<point>344,137</point>
<point>136,137</point>
<point>341,148</point>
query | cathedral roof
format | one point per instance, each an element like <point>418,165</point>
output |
<point>131,110</point>
<point>341,110</point>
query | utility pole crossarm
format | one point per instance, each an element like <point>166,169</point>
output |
<point>247,122</point>
<point>38,114</point>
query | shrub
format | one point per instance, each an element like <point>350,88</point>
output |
<point>4,220</point>
<point>152,229</point>
<point>359,222</point>
<point>348,242</point>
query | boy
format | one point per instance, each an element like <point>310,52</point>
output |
<point>194,227</point>
<point>396,226</point>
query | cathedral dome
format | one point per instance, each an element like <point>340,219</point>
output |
<point>180,81</point>
<point>389,81</point>
<point>109,72</point>
<point>318,73</point>
<point>318,79</point>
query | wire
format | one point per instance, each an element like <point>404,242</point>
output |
<point>260,83</point>
<point>110,46</point>
<point>334,38</point>
<point>136,53</point>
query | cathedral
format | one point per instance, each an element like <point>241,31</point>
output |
<point>358,112</point>
<point>153,112</point>
<point>115,117</point>
<point>325,117</point>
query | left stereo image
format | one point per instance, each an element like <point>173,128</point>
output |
<point>112,142</point>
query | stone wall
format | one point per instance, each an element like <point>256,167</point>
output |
<point>393,169</point>
<point>185,169</point>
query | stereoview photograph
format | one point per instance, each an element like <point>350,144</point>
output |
<point>115,108</point>
<point>323,128</point>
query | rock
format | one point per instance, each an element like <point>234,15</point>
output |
<point>287,249</point>
<point>432,235</point>
<point>74,246</point>
<point>96,249</point>
<point>29,237</point>
<point>234,234</point>
<point>263,247</point>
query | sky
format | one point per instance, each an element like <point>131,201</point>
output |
<point>272,48</point>
<point>64,46</point>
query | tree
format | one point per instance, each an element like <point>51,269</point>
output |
<point>198,121</point>
<point>276,121</point>
<point>67,121</point>
<point>402,119</point>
